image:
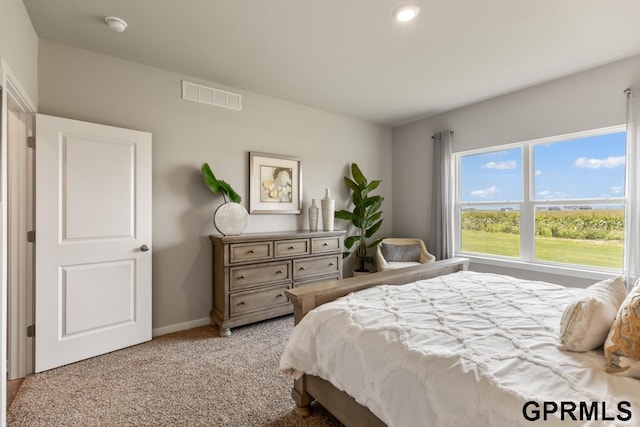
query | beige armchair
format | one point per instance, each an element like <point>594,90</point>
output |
<point>394,253</point>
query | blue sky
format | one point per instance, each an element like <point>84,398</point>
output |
<point>592,167</point>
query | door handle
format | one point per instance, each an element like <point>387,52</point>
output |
<point>144,248</point>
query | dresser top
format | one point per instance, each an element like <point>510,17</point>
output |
<point>271,235</point>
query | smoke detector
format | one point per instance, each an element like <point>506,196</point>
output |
<point>116,24</point>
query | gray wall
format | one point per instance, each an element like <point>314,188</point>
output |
<point>588,100</point>
<point>19,45</point>
<point>83,85</point>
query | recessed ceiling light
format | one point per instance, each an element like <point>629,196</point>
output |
<point>406,13</point>
<point>116,24</point>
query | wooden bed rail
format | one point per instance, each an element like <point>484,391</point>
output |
<point>308,297</point>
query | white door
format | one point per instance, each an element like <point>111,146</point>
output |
<point>93,240</point>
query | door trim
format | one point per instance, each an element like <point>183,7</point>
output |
<point>20,255</point>
<point>12,92</point>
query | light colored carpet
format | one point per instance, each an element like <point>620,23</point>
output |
<point>190,378</point>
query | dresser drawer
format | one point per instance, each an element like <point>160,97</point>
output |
<point>325,244</point>
<point>310,267</point>
<point>285,248</point>
<point>246,302</point>
<point>243,252</point>
<point>261,274</point>
<point>317,279</point>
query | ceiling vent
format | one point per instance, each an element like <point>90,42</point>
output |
<point>211,96</point>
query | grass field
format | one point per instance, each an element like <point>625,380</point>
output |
<point>597,253</point>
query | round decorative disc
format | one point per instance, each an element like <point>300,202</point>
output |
<point>230,219</point>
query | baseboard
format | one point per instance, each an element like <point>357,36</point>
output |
<point>180,327</point>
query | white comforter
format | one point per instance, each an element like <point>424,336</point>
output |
<point>466,349</point>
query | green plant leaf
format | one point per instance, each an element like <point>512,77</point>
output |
<point>376,216</point>
<point>209,179</point>
<point>218,186</point>
<point>373,185</point>
<point>357,175</point>
<point>226,188</point>
<point>351,184</point>
<point>372,230</point>
<point>344,214</point>
<point>376,243</point>
<point>349,241</point>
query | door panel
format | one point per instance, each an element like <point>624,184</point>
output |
<point>98,177</point>
<point>93,215</point>
<point>109,286</point>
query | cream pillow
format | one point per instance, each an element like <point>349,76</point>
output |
<point>622,347</point>
<point>586,322</point>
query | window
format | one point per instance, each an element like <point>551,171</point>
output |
<point>552,201</point>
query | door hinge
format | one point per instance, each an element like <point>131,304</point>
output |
<point>31,236</point>
<point>31,331</point>
<point>31,141</point>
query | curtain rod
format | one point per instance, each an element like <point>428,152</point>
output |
<point>433,136</point>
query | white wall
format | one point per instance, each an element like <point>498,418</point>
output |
<point>19,45</point>
<point>588,100</point>
<point>83,85</point>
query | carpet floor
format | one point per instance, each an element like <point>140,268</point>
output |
<point>189,378</point>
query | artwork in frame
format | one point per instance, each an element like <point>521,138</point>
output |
<point>275,184</point>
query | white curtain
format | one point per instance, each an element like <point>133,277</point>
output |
<point>441,242</point>
<point>632,213</point>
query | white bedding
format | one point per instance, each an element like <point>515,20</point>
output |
<point>466,349</point>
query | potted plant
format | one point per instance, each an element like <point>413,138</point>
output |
<point>365,217</point>
<point>231,217</point>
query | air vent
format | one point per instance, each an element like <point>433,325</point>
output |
<point>211,96</point>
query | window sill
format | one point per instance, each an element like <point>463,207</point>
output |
<point>560,270</point>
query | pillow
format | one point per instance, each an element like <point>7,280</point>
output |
<point>622,347</point>
<point>586,322</point>
<point>401,253</point>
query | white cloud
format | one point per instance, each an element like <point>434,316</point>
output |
<point>552,195</point>
<point>487,192</point>
<point>538,172</point>
<point>509,164</point>
<point>616,190</point>
<point>609,162</point>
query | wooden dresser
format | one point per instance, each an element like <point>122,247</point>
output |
<point>251,272</point>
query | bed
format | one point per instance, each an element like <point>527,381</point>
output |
<point>449,347</point>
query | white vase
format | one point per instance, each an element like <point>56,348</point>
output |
<point>230,219</point>
<point>313,216</point>
<point>328,211</point>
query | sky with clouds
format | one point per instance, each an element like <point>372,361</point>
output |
<point>585,168</point>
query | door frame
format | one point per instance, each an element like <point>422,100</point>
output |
<point>12,91</point>
<point>20,254</point>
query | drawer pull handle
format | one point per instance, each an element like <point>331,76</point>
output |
<point>240,277</point>
<point>252,251</point>
<point>279,296</point>
<point>331,264</point>
<point>279,272</point>
<point>240,303</point>
<point>301,268</point>
<point>325,244</point>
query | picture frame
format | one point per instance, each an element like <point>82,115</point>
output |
<point>275,184</point>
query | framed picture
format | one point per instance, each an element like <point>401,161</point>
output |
<point>275,184</point>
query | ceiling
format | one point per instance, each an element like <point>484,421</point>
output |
<point>349,56</point>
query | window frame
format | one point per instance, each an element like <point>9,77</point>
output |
<point>528,206</point>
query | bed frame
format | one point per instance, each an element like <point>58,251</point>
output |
<point>309,388</point>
